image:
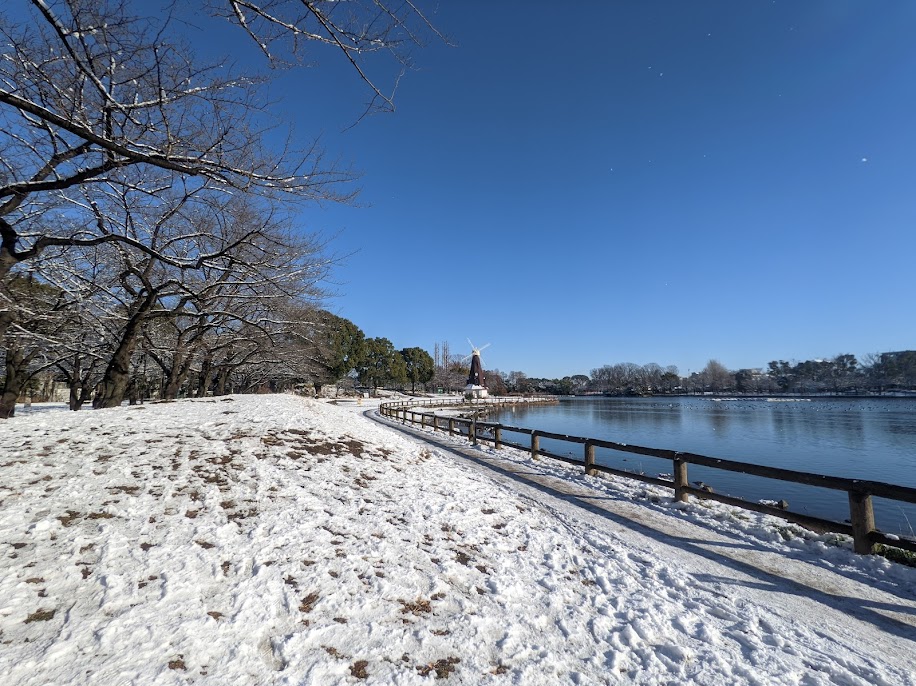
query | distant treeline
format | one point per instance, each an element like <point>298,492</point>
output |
<point>878,373</point>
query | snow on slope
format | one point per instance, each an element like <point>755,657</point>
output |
<point>275,540</point>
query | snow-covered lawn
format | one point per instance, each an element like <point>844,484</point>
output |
<point>276,540</point>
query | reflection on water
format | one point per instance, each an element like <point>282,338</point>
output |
<point>870,438</point>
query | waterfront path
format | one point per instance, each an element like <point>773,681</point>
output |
<point>880,620</point>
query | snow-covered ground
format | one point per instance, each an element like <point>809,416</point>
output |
<point>276,540</point>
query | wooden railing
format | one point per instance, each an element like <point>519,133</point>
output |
<point>474,404</point>
<point>861,528</point>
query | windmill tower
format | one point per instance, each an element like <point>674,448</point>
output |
<point>476,386</point>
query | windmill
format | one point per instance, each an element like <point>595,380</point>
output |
<point>476,385</point>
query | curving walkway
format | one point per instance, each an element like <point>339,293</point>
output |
<point>879,620</point>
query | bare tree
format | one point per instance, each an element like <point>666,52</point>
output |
<point>359,29</point>
<point>90,90</point>
<point>716,376</point>
<point>217,259</point>
<point>113,134</point>
<point>95,99</point>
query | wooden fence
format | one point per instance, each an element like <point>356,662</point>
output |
<point>859,492</point>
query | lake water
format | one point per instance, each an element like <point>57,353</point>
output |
<point>866,438</point>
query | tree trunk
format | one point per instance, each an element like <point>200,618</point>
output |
<point>16,378</point>
<point>185,371</point>
<point>113,386</point>
<point>80,391</point>
<point>6,319</point>
<point>75,403</point>
<point>73,382</point>
<point>206,377</point>
<point>170,389</point>
<point>181,365</point>
<point>77,383</point>
<point>7,261</point>
<point>221,381</point>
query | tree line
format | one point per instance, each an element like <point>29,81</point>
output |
<point>844,374</point>
<point>876,374</point>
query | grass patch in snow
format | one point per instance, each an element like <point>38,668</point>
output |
<point>308,602</point>
<point>899,555</point>
<point>358,669</point>
<point>70,517</point>
<point>416,607</point>
<point>443,668</point>
<point>40,616</point>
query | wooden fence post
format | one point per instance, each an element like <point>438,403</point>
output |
<point>535,445</point>
<point>862,517</point>
<point>472,430</point>
<point>590,459</point>
<point>451,426</point>
<point>680,480</point>
<point>497,436</point>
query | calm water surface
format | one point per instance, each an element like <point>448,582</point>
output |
<point>868,438</point>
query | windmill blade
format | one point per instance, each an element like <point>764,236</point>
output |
<point>474,351</point>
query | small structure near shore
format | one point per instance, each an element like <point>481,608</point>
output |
<point>476,386</point>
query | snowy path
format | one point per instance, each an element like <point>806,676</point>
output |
<point>800,588</point>
<point>272,540</point>
<point>828,603</point>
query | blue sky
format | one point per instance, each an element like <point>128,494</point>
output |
<point>632,181</point>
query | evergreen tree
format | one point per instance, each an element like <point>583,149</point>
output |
<point>382,364</point>
<point>420,366</point>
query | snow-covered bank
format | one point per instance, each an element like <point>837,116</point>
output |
<point>272,540</point>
